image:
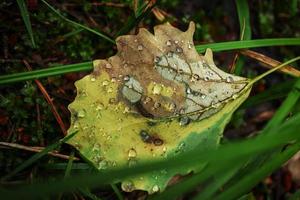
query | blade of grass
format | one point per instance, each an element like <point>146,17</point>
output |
<point>275,92</point>
<point>75,24</point>
<point>42,73</point>
<point>286,106</point>
<point>117,191</point>
<point>37,156</point>
<point>69,165</point>
<point>133,20</point>
<point>247,182</point>
<point>87,66</point>
<point>225,46</point>
<point>26,19</point>
<point>245,30</point>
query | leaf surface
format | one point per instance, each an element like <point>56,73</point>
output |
<point>156,98</point>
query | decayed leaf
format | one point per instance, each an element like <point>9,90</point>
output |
<point>156,98</point>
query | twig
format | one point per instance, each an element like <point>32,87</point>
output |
<point>271,63</point>
<point>50,102</point>
<point>35,149</point>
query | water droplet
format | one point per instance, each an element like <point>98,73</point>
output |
<point>196,77</point>
<point>112,101</point>
<point>168,43</point>
<point>156,105</point>
<point>189,45</point>
<point>131,153</point>
<point>179,50</point>
<point>176,41</point>
<point>127,186</point>
<point>99,107</point>
<point>105,83</point>
<point>235,96</point>
<point>170,54</point>
<point>157,88</point>
<point>93,79</point>
<point>145,136</point>
<point>108,66</point>
<point>206,78</point>
<point>126,78</point>
<point>81,113</point>
<point>229,79</point>
<point>102,164</point>
<point>157,59</point>
<point>140,47</point>
<point>184,121</point>
<point>155,188</point>
<point>147,100</point>
<point>158,142</point>
<point>171,106</point>
<point>109,90</point>
<point>180,71</point>
<point>188,90</point>
<point>216,105</point>
<point>203,96</point>
<point>126,110</point>
<point>113,79</point>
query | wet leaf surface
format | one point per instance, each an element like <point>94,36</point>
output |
<point>156,98</point>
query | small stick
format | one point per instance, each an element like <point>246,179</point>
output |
<point>35,149</point>
<point>50,102</point>
<point>271,63</point>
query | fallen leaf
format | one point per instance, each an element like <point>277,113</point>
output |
<point>156,98</point>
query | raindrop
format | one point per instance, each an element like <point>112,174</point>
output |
<point>156,105</point>
<point>127,186</point>
<point>157,59</point>
<point>126,78</point>
<point>229,79</point>
<point>157,88</point>
<point>108,66</point>
<point>176,41</point>
<point>140,47</point>
<point>203,96</point>
<point>188,90</point>
<point>146,137</point>
<point>206,78</point>
<point>93,79</point>
<point>184,121</point>
<point>196,77</point>
<point>155,188</point>
<point>189,45</point>
<point>102,164</point>
<point>81,113</point>
<point>147,100</point>
<point>105,83</point>
<point>171,106</point>
<point>168,43</point>
<point>109,90</point>
<point>112,100</point>
<point>179,50</point>
<point>131,153</point>
<point>170,54</point>
<point>235,96</point>
<point>158,142</point>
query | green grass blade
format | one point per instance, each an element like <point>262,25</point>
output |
<point>26,19</point>
<point>275,92</point>
<point>75,24</point>
<point>245,30</point>
<point>69,165</point>
<point>247,182</point>
<point>37,156</point>
<point>42,73</point>
<point>234,45</point>
<point>117,191</point>
<point>89,194</point>
<point>224,156</point>
<point>286,106</point>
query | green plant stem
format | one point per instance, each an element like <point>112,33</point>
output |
<point>42,73</point>
<point>244,44</point>
<point>77,24</point>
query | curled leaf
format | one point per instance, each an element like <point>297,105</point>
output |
<point>156,98</point>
